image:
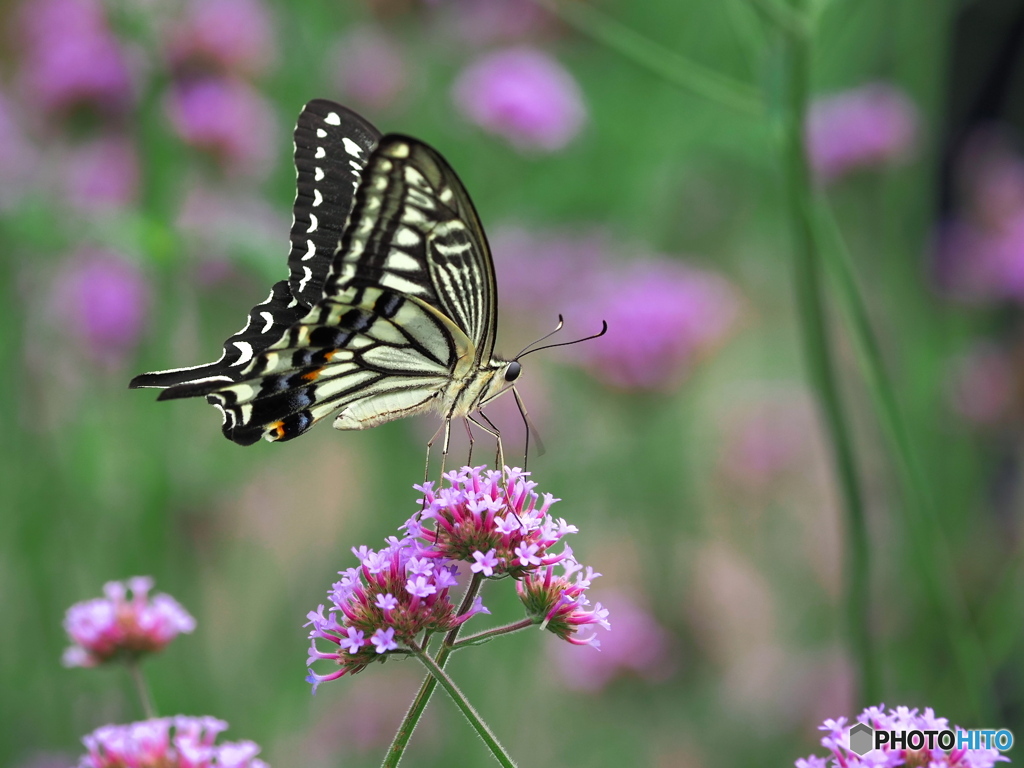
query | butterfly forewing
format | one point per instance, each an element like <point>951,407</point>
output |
<point>266,323</point>
<point>414,230</point>
<point>332,145</point>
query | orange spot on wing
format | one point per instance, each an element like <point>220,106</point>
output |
<point>312,375</point>
<point>278,427</point>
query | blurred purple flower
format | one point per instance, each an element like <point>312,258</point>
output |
<point>875,124</point>
<point>230,36</point>
<point>114,626</point>
<point>71,57</point>
<point>535,268</point>
<point>489,22</point>
<point>899,720</point>
<point>764,439</point>
<point>368,66</point>
<point>18,157</point>
<point>167,742</point>
<point>637,644</point>
<point>103,299</point>
<point>523,95</point>
<point>662,315</point>
<point>228,119</point>
<point>979,255</point>
<point>982,384</point>
<point>103,173</point>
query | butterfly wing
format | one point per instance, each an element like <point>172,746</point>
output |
<point>414,230</point>
<point>332,145</point>
<point>407,307</point>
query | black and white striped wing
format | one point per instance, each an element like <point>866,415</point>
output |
<point>332,146</point>
<point>414,230</point>
<point>266,323</point>
<point>369,355</point>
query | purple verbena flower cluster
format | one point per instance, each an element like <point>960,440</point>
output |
<point>167,742</point>
<point>395,594</point>
<point>898,720</point>
<point>125,623</point>
<point>561,601</point>
<point>493,520</point>
<point>490,520</point>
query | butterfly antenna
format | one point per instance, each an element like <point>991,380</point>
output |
<point>599,334</point>
<point>558,327</point>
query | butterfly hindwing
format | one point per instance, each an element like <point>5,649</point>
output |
<point>267,323</point>
<point>414,230</point>
<point>332,145</point>
<point>370,355</point>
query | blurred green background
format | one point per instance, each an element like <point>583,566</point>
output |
<point>146,186</point>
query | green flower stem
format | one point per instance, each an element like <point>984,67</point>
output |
<point>139,681</point>
<point>419,704</point>
<point>930,549</point>
<point>790,21</point>
<point>467,709</point>
<point>814,325</point>
<point>488,634</point>
<point>644,52</point>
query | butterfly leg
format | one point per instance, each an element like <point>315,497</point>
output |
<point>426,465</point>
<point>499,458</point>
<point>469,434</point>
<point>530,430</point>
<point>447,440</point>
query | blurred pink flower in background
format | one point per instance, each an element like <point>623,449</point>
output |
<point>536,269</point>
<point>71,57</point>
<point>167,742</point>
<point>103,173</point>
<point>875,124</point>
<point>368,66</point>
<point>523,95</point>
<point>18,157</point>
<point>979,254</point>
<point>982,385</point>
<point>234,36</point>
<point>489,22</point>
<point>662,316</point>
<point>117,625</point>
<point>766,438</point>
<point>227,118</point>
<point>636,645</point>
<point>102,299</point>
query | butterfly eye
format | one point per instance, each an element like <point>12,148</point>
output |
<point>513,370</point>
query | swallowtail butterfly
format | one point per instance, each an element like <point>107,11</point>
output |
<point>390,307</point>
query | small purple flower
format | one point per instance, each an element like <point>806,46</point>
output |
<point>523,95</point>
<point>102,174</point>
<point>228,119</point>
<point>899,720</point>
<point>392,605</point>
<point>560,602</point>
<point>18,157</point>
<point>490,22</point>
<point>103,298</point>
<point>167,742</point>
<point>228,36</point>
<point>662,316</point>
<point>123,624</point>
<point>875,124</point>
<point>489,511</point>
<point>368,67</point>
<point>637,645</point>
<point>71,57</point>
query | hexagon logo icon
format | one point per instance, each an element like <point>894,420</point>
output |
<point>862,738</point>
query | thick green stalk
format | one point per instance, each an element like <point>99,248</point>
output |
<point>930,550</point>
<point>467,709</point>
<point>419,704</point>
<point>814,326</point>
